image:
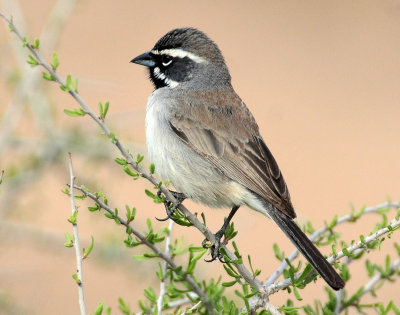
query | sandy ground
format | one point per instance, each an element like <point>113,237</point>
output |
<point>321,78</point>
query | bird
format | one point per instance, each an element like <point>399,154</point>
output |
<point>202,138</point>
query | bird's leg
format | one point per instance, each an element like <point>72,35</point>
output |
<point>170,211</point>
<point>221,232</point>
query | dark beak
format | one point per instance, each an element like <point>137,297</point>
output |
<point>145,60</point>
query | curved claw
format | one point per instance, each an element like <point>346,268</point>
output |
<point>162,220</point>
<point>210,260</point>
<point>214,249</point>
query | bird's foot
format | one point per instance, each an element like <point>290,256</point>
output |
<point>215,247</point>
<point>169,206</point>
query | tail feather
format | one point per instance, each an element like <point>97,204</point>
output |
<point>307,248</point>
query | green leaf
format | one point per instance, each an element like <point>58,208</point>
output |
<point>230,271</point>
<point>150,194</point>
<point>106,106</point>
<point>109,215</point>
<point>99,309</point>
<point>69,240</point>
<point>55,63</point>
<point>72,84</point>
<point>139,158</point>
<point>332,224</point>
<point>297,294</point>
<point>73,218</point>
<point>32,61</point>
<point>36,44</point>
<point>77,280</point>
<point>95,208</point>
<point>347,253</point>
<point>229,284</point>
<point>121,161</point>
<point>125,309</point>
<point>48,76</point>
<point>152,168</point>
<point>76,112</point>
<point>89,250</point>
<point>278,254</point>
<point>305,273</point>
<point>128,171</point>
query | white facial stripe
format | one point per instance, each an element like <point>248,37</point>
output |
<point>177,52</point>
<point>161,76</point>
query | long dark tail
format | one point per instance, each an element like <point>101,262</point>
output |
<point>307,248</point>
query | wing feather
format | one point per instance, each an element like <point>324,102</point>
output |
<point>226,134</point>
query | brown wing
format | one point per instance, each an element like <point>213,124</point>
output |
<point>226,134</point>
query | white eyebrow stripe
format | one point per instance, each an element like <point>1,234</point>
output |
<point>177,52</point>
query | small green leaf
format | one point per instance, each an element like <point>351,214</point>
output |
<point>332,224</point>
<point>32,61</point>
<point>152,168</point>
<point>297,294</point>
<point>89,250</point>
<point>139,158</point>
<point>77,280</point>
<point>55,63</point>
<point>150,194</point>
<point>69,240</point>
<point>109,215</point>
<point>106,106</point>
<point>48,76</point>
<point>278,254</point>
<point>347,253</point>
<point>229,284</point>
<point>36,44</point>
<point>76,112</point>
<point>73,218</point>
<point>99,309</point>
<point>121,161</point>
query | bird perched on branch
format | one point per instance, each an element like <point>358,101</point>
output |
<point>203,138</point>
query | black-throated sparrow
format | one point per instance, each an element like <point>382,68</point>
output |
<point>202,137</point>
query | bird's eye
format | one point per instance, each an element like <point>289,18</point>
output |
<point>166,60</point>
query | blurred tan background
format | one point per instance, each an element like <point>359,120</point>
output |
<point>322,79</point>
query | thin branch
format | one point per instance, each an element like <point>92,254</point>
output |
<point>164,269</point>
<point>374,281</point>
<point>1,176</point>
<point>272,309</point>
<point>192,308</point>
<point>317,234</point>
<point>355,249</point>
<point>339,293</point>
<point>76,241</point>
<point>243,271</point>
<point>153,247</point>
